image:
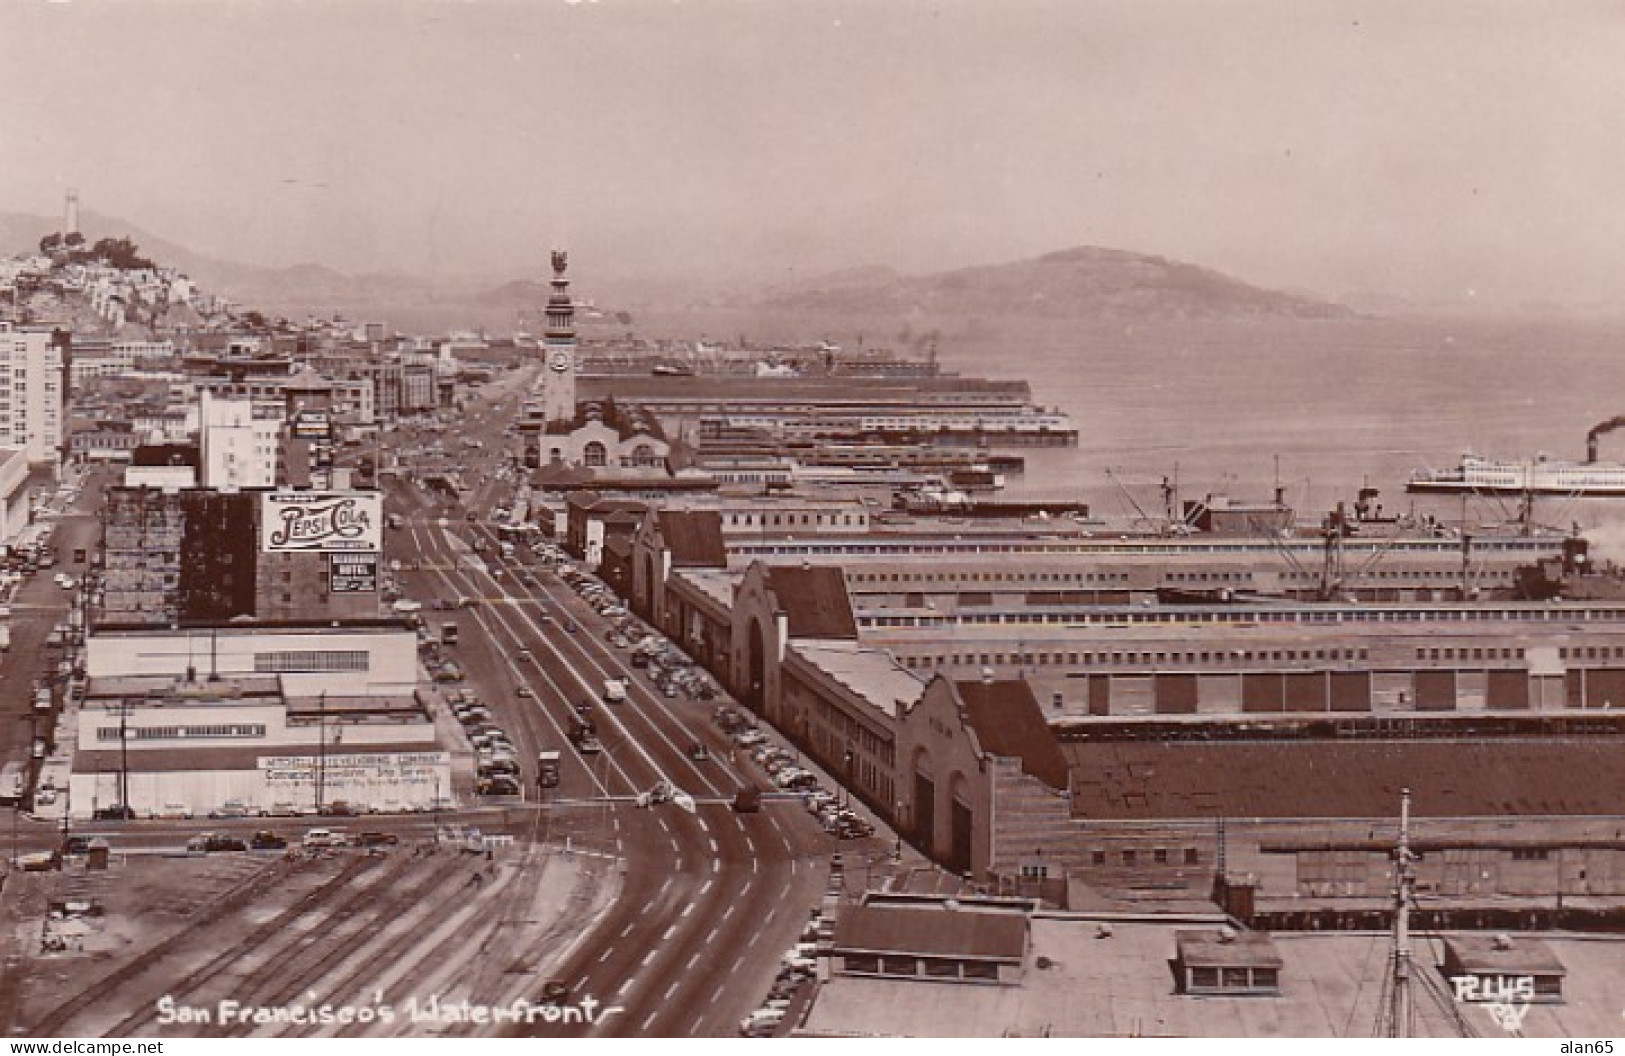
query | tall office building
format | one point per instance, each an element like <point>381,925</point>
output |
<point>32,389</point>
<point>239,441</point>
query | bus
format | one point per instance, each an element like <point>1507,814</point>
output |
<point>547,769</point>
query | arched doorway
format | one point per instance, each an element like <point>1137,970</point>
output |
<point>755,668</point>
<point>925,803</point>
<point>646,598</point>
<point>961,824</point>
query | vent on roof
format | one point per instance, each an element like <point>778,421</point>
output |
<point>1227,934</point>
<point>1503,941</point>
<point>987,675</point>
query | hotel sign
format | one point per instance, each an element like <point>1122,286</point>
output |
<point>321,522</point>
<point>352,573</point>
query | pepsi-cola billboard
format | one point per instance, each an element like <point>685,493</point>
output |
<point>322,522</point>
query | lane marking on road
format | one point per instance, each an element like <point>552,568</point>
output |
<point>703,826</point>
<point>710,936</point>
<point>675,983</point>
<point>679,866</point>
<point>770,915</point>
<point>649,957</point>
<point>729,911</point>
<point>605,955</point>
<point>669,932</point>
<point>692,958</point>
<point>650,1018</point>
<point>707,886</point>
<point>688,909</point>
<point>792,867</point>
<point>716,865</point>
<point>713,846</point>
<point>664,825</point>
<point>627,930</point>
<point>754,865</point>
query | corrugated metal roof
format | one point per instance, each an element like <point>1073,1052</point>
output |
<point>1313,779</point>
<point>694,538</point>
<point>815,601</point>
<point>935,930</point>
<point>1008,722</point>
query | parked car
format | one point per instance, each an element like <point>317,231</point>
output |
<point>377,839</point>
<point>214,841</point>
<point>266,841</point>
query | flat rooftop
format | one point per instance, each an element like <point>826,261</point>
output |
<point>871,673</point>
<point>1123,986</point>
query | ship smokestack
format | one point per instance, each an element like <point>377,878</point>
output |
<point>1598,430</point>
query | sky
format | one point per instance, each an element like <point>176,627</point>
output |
<point>1445,150</point>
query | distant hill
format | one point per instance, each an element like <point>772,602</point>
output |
<point>1081,282</point>
<point>251,284</point>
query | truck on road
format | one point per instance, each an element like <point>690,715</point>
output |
<point>547,769</point>
<point>584,735</point>
<point>13,784</point>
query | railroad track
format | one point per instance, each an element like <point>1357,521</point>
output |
<point>299,967</point>
<point>250,945</point>
<point>96,994</point>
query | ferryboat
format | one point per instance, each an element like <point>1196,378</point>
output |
<point>1537,476</point>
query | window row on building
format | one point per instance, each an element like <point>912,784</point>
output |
<point>179,733</point>
<point>310,660</point>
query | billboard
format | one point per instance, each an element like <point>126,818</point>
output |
<point>352,573</point>
<point>321,522</point>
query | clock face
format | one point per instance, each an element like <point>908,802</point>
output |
<point>561,361</point>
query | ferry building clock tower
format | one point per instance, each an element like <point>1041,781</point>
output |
<point>559,348</point>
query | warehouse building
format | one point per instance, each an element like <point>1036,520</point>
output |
<point>255,719</point>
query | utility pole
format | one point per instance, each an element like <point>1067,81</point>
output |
<point>1399,1014</point>
<point>321,748</point>
<point>124,755</point>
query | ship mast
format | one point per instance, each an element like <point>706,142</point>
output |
<point>1399,1006</point>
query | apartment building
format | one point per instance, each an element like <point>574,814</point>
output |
<point>32,389</point>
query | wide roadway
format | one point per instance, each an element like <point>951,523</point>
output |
<point>711,899</point>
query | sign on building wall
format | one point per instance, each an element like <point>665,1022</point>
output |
<point>354,573</point>
<point>321,522</point>
<point>362,777</point>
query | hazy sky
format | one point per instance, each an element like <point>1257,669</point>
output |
<point>1420,148</point>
